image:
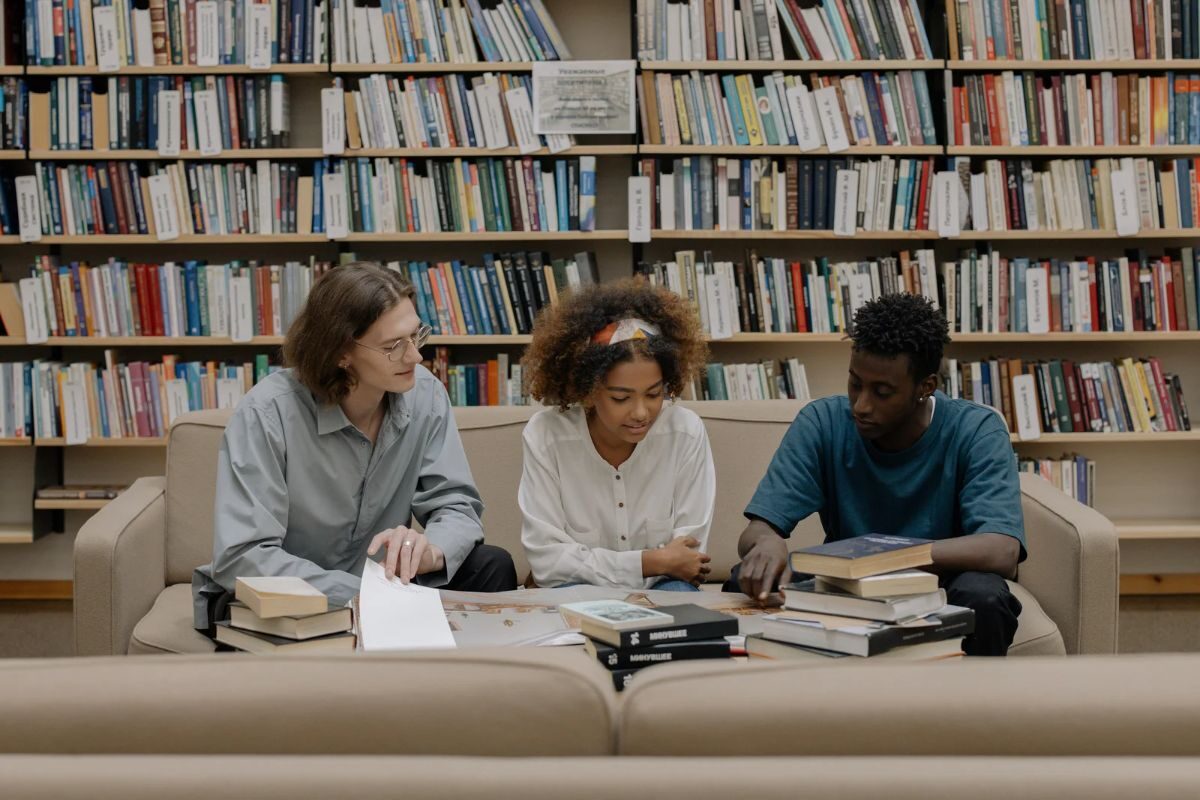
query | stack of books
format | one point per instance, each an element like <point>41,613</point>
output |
<point>866,599</point>
<point>284,614</point>
<point>626,638</point>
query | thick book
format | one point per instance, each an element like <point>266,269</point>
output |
<point>615,615</point>
<point>758,646</point>
<point>690,623</point>
<point>807,596</point>
<point>887,584</point>
<point>862,556</point>
<point>337,620</point>
<point>614,658</point>
<point>280,596</point>
<point>860,637</point>
<point>262,643</point>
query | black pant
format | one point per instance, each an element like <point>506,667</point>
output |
<point>487,568</point>
<point>985,593</point>
<point>996,610</point>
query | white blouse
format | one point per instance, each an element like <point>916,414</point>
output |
<point>586,522</point>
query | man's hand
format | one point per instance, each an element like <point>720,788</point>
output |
<point>680,559</point>
<point>409,553</point>
<point>763,564</point>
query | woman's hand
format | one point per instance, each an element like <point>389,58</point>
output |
<point>409,553</point>
<point>680,559</point>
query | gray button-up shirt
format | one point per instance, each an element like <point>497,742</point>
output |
<point>300,491</point>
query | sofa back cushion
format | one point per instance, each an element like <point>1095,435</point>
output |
<point>1077,706</point>
<point>192,449</point>
<point>499,702</point>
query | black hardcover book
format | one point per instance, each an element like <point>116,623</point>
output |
<point>636,658</point>
<point>528,291</point>
<point>622,677</point>
<point>951,622</point>
<point>690,623</point>
<point>805,194</point>
<point>537,274</point>
<point>573,194</point>
<point>739,277</point>
<point>515,295</point>
<point>821,220</point>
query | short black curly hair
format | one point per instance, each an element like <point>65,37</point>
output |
<point>906,324</point>
<point>562,365</point>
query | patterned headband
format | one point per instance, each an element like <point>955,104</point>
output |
<point>625,330</point>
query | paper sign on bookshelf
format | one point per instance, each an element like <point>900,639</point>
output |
<point>75,413</point>
<point>104,24</point>
<point>946,196</point>
<point>1025,406</point>
<point>258,35</point>
<point>208,122</point>
<point>177,399</point>
<point>830,115</point>
<point>207,34</point>
<point>808,128</point>
<point>584,96</point>
<point>33,303</point>
<point>639,208</point>
<point>241,312</point>
<point>979,205</point>
<point>166,216</point>
<point>334,189</point>
<point>143,38</point>
<point>522,120</point>
<point>333,121</point>
<point>1125,205</point>
<point>169,127</point>
<point>229,392</point>
<point>1037,299</point>
<point>29,208</point>
<point>491,113</point>
<point>845,209</point>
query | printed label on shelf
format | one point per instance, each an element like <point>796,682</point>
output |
<point>946,197</point>
<point>336,221</point>
<point>640,204</point>
<point>521,112</point>
<point>169,125</point>
<point>162,201</point>
<point>208,122</point>
<point>104,23</point>
<point>208,38</point>
<point>333,121</point>
<point>845,210</point>
<point>29,208</point>
<point>258,36</point>
<point>808,128</point>
<point>1025,404</point>
<point>831,119</point>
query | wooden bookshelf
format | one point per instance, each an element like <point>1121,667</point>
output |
<point>1157,529</point>
<point>235,238</point>
<point>12,341</point>
<point>69,505</point>
<point>296,153</point>
<point>1071,151</point>
<point>1175,437</point>
<point>805,234</point>
<point>7,70</point>
<point>16,442</point>
<point>180,69</point>
<point>792,65</point>
<point>492,236</point>
<point>1167,584</point>
<point>15,534</point>
<point>483,152</point>
<point>12,155</point>
<point>433,67</point>
<point>1080,65</point>
<point>978,338</point>
<point>160,341</point>
<point>788,150</point>
<point>36,590</point>
<point>128,441</point>
<point>1107,233</point>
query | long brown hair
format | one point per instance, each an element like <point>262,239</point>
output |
<point>342,305</point>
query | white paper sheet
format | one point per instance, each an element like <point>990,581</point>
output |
<point>393,616</point>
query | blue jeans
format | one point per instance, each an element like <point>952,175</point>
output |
<point>673,585</point>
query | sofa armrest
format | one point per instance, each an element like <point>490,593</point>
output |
<point>1073,566</point>
<point>120,568</point>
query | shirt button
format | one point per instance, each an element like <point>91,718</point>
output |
<point>620,505</point>
<point>623,538</point>
<point>618,477</point>
<point>363,443</point>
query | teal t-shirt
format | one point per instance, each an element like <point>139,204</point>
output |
<point>959,478</point>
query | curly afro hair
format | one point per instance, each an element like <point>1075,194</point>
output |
<point>562,365</point>
<point>906,324</point>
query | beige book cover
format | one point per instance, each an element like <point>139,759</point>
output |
<point>304,204</point>
<point>280,596</point>
<point>12,316</point>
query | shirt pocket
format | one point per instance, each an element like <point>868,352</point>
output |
<point>658,532</point>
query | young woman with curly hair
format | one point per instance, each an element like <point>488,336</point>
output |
<point>618,482</point>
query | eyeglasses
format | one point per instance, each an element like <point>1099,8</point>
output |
<point>396,351</point>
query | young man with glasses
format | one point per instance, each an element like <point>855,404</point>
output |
<point>327,462</point>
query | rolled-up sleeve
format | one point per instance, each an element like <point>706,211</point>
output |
<point>555,557</point>
<point>251,513</point>
<point>446,502</point>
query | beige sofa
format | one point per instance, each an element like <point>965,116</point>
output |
<point>134,559</point>
<point>433,725</point>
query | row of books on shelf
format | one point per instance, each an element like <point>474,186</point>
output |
<point>115,33</point>
<point>785,379</point>
<point>1125,395</point>
<point>444,31</point>
<point>874,108</point>
<point>487,110</point>
<point>988,293</point>
<point>777,194</point>
<point>209,114</point>
<point>1099,109</point>
<point>771,30</point>
<point>14,113</point>
<point>495,382</point>
<point>81,401</point>
<point>1074,475</point>
<point>1034,30</point>
<point>1128,195</point>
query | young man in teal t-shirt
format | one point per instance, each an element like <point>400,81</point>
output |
<point>897,456</point>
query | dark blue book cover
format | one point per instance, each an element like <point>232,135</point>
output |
<point>465,298</point>
<point>871,544</point>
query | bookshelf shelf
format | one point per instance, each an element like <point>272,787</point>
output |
<point>1080,65</point>
<point>790,65</point>
<point>316,152</point>
<point>16,442</point>
<point>12,341</point>
<point>242,238</point>
<point>482,152</point>
<point>1157,529</point>
<point>878,235</point>
<point>128,441</point>
<point>15,534</point>
<point>12,155</point>
<point>788,150</point>
<point>11,69</point>
<point>1165,233</point>
<point>69,505</point>
<point>977,338</point>
<point>180,69</point>
<point>1112,438</point>
<point>491,236</point>
<point>434,67</point>
<point>1063,151</point>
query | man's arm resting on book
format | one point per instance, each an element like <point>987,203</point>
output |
<point>978,552</point>
<point>764,558</point>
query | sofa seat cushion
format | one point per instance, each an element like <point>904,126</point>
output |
<point>1036,635</point>
<point>167,628</point>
